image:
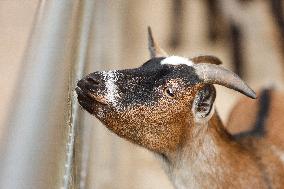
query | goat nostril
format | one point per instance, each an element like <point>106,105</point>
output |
<point>92,81</point>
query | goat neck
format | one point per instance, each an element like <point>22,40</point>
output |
<point>211,159</point>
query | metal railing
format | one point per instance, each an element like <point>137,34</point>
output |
<point>37,150</point>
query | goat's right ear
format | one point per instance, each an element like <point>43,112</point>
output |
<point>153,46</point>
<point>203,103</point>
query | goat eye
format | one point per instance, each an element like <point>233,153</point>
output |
<point>169,92</point>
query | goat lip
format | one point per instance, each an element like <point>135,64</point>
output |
<point>86,95</point>
<point>85,101</point>
<point>88,102</point>
<point>80,92</point>
<point>98,98</point>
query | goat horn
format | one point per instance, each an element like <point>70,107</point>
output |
<point>213,74</point>
<point>206,59</point>
<point>153,46</point>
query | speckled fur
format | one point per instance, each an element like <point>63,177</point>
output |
<point>154,121</point>
<point>196,153</point>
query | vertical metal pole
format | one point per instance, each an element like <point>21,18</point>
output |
<point>104,52</point>
<point>76,150</point>
<point>33,145</point>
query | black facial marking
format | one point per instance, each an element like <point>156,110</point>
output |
<point>144,85</point>
<point>136,105</point>
<point>152,63</point>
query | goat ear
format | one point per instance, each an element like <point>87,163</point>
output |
<point>206,59</point>
<point>153,46</point>
<point>203,103</point>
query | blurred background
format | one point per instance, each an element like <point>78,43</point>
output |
<point>47,141</point>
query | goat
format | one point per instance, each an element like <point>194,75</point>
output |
<point>167,106</point>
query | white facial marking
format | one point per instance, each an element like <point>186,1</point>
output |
<point>111,89</point>
<point>177,60</point>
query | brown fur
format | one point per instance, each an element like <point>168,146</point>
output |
<point>198,155</point>
<point>196,149</point>
<point>207,59</point>
<point>243,118</point>
<point>237,164</point>
<point>159,128</point>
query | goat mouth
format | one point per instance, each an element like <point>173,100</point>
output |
<point>89,101</point>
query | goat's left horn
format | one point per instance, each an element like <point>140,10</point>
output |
<point>213,74</point>
<point>154,48</point>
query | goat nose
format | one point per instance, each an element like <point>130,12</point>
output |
<point>92,81</point>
